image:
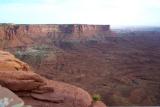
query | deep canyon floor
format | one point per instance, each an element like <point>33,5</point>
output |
<point>123,70</point>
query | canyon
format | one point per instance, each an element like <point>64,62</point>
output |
<point>122,67</point>
<point>36,90</point>
<point>23,35</point>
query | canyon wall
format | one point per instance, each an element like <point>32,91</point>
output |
<point>22,34</point>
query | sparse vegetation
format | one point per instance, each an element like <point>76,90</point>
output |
<point>96,97</point>
<point>34,55</point>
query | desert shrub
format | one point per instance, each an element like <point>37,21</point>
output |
<point>19,54</point>
<point>32,55</point>
<point>96,97</point>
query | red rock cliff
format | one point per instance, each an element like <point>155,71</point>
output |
<point>20,35</point>
<point>11,30</point>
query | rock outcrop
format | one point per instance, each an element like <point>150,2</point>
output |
<point>39,91</point>
<point>13,35</point>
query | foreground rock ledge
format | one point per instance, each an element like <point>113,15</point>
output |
<point>38,91</point>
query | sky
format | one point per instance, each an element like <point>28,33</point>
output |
<point>113,12</point>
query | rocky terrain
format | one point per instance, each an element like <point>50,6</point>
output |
<point>122,67</point>
<point>35,90</point>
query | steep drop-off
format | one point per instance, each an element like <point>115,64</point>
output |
<point>36,90</point>
<point>123,69</point>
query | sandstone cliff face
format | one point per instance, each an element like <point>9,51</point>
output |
<point>22,35</point>
<point>40,28</point>
<point>36,90</point>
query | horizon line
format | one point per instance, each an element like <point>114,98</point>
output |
<point>112,26</point>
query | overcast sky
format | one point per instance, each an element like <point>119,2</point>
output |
<point>113,12</point>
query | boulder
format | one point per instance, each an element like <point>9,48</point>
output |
<point>9,99</point>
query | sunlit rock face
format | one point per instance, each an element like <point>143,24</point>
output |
<point>22,35</point>
<point>34,89</point>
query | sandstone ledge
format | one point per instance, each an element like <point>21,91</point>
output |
<point>39,91</point>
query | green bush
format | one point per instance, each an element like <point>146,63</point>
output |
<point>96,97</point>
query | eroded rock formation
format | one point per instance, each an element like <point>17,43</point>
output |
<point>39,91</point>
<point>12,35</point>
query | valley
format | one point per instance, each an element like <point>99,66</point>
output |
<point>122,67</point>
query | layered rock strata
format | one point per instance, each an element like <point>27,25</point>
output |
<point>13,35</point>
<point>38,91</point>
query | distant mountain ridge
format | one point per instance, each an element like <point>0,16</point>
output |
<point>22,34</point>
